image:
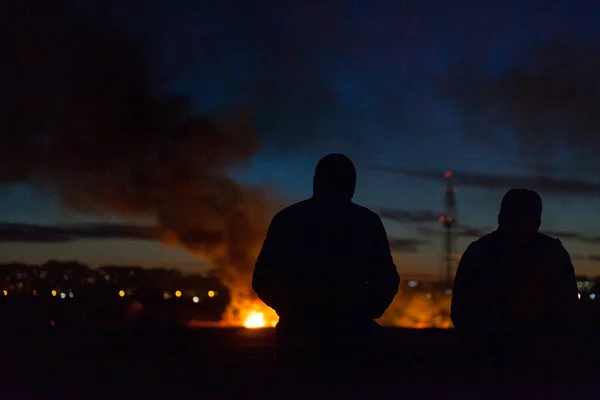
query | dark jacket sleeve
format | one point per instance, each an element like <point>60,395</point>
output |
<point>467,297</point>
<point>383,279</point>
<point>564,290</point>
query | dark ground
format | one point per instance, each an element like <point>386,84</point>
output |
<point>237,363</point>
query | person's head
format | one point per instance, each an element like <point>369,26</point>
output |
<point>521,211</point>
<point>335,178</point>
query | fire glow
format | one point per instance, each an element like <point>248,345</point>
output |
<point>255,319</point>
<point>416,310</point>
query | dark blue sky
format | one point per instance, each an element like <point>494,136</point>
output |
<point>367,80</point>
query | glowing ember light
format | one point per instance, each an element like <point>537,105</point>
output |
<point>121,293</point>
<point>178,293</point>
<point>211,293</point>
<point>54,293</point>
<point>255,319</point>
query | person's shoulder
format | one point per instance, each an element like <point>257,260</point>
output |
<point>293,210</point>
<point>485,240</point>
<point>549,241</point>
<point>364,212</point>
<point>484,243</point>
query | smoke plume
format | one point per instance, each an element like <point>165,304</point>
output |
<point>82,116</point>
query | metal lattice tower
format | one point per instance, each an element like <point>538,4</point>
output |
<point>448,221</point>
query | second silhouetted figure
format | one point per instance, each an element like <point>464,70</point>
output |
<point>515,280</point>
<point>327,270</point>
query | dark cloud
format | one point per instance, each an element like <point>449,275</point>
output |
<point>574,236</point>
<point>12,232</point>
<point>587,257</point>
<point>471,232</point>
<point>477,232</point>
<point>407,245</point>
<point>468,232</point>
<point>593,257</point>
<point>544,185</point>
<point>547,95</point>
<point>409,216</point>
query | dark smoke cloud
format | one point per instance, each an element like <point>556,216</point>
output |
<point>594,258</point>
<point>548,95</point>
<point>574,236</point>
<point>409,216</point>
<point>12,232</point>
<point>544,185</point>
<point>83,115</point>
<point>465,231</point>
<point>407,245</point>
<point>477,232</point>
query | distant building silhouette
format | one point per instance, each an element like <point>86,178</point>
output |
<point>58,290</point>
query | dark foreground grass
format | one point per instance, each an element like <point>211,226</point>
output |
<point>238,363</point>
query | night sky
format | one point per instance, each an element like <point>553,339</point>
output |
<point>503,93</point>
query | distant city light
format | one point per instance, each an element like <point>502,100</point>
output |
<point>53,293</point>
<point>63,295</point>
<point>211,293</point>
<point>592,296</point>
<point>178,293</point>
<point>412,283</point>
<point>448,174</point>
<point>166,295</point>
<point>121,293</point>
<point>34,292</point>
<point>578,295</point>
<point>71,295</point>
<point>5,292</point>
<point>106,278</point>
<point>196,299</point>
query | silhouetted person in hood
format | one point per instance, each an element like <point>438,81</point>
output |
<point>515,285</point>
<point>327,270</point>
